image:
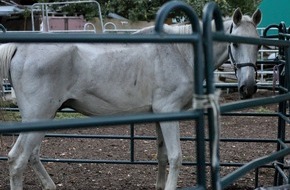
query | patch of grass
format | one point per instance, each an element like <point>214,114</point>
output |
<point>68,115</point>
<point>10,116</point>
<point>15,115</point>
<point>262,109</point>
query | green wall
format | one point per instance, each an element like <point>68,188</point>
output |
<point>275,11</point>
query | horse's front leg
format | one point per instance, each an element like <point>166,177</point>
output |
<point>19,156</point>
<point>162,159</point>
<point>171,136</point>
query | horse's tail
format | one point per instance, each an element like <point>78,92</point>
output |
<point>6,53</point>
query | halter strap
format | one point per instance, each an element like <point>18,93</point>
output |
<point>231,28</point>
<point>239,65</point>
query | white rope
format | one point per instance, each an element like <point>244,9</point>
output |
<point>211,101</point>
<point>276,75</point>
<point>205,101</point>
<point>214,104</point>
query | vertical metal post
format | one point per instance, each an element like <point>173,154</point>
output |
<point>256,177</point>
<point>200,150</point>
<point>132,146</point>
<point>283,81</point>
<point>281,130</point>
<point>211,11</point>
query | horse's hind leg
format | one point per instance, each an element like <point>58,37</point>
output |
<point>26,148</point>
<point>40,171</point>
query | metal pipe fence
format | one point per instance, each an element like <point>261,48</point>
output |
<point>199,114</point>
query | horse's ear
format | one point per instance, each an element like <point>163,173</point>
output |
<point>237,16</point>
<point>257,16</point>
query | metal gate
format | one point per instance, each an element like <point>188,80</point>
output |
<point>205,104</point>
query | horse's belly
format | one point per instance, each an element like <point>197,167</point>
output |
<point>93,106</point>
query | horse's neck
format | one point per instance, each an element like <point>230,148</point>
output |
<point>220,53</point>
<point>186,50</point>
<point>220,49</point>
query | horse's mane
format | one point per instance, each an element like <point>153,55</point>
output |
<point>172,29</point>
<point>186,28</point>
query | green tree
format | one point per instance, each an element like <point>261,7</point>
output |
<point>227,7</point>
<point>247,6</point>
<point>134,9</point>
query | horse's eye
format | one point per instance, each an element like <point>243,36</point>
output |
<point>235,45</point>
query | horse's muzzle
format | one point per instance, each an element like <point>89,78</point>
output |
<point>247,92</point>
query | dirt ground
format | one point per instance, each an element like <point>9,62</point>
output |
<point>83,176</point>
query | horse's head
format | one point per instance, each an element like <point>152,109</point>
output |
<point>244,56</point>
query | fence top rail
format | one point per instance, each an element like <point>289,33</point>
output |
<point>103,121</point>
<point>218,36</point>
<point>73,37</point>
<point>39,37</point>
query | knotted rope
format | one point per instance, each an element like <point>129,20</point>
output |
<point>211,101</point>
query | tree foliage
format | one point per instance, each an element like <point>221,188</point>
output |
<point>227,7</point>
<point>136,10</point>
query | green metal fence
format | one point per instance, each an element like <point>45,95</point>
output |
<point>203,69</point>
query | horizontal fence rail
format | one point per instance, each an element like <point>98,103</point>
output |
<point>197,114</point>
<point>158,37</point>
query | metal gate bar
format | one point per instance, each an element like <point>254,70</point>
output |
<point>198,114</point>
<point>158,37</point>
<point>282,148</point>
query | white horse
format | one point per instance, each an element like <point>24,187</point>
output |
<point>102,79</point>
